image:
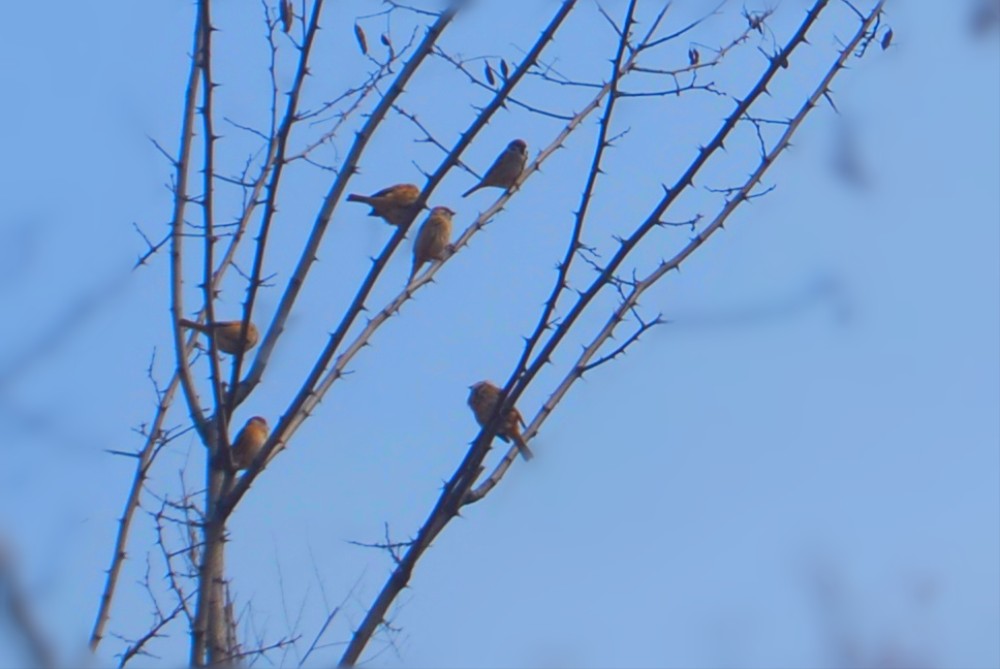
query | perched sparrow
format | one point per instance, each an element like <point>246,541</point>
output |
<point>394,204</point>
<point>483,401</point>
<point>433,239</point>
<point>249,442</point>
<point>226,334</point>
<point>505,169</point>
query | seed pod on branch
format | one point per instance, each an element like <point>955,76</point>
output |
<point>887,39</point>
<point>286,15</point>
<point>359,35</point>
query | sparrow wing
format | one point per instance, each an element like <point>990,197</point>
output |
<point>386,191</point>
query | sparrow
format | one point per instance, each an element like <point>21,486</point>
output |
<point>433,239</point>
<point>394,204</point>
<point>483,401</point>
<point>249,441</point>
<point>505,169</point>
<point>226,334</point>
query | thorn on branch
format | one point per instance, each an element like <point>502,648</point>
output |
<point>829,98</point>
<point>126,454</point>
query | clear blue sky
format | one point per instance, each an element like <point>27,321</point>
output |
<point>686,502</point>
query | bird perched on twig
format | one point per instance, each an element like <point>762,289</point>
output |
<point>393,204</point>
<point>483,401</point>
<point>226,334</point>
<point>433,240</point>
<point>249,441</point>
<point>505,169</point>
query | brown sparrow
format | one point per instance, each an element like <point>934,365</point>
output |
<point>483,401</point>
<point>226,334</point>
<point>433,239</point>
<point>505,169</point>
<point>249,441</point>
<point>394,204</point>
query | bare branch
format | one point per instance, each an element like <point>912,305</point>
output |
<point>278,146</point>
<point>177,223</point>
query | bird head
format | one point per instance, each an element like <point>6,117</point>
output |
<point>479,387</point>
<point>253,334</point>
<point>442,211</point>
<point>259,421</point>
<point>518,145</point>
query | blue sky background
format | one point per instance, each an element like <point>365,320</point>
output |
<point>823,416</point>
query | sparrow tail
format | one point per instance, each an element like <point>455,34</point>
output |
<point>185,323</point>
<point>522,447</point>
